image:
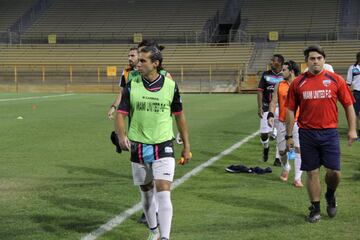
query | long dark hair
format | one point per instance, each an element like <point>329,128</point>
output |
<point>155,55</point>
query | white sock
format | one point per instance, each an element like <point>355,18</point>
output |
<point>265,143</point>
<point>148,203</point>
<point>277,152</point>
<point>156,201</point>
<point>297,164</point>
<point>286,166</point>
<point>165,213</point>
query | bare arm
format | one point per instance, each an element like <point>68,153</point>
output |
<point>351,120</point>
<point>120,126</point>
<point>183,130</point>
<point>272,105</point>
<point>115,104</point>
<point>290,121</point>
<point>259,100</point>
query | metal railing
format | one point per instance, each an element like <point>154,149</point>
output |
<point>181,37</point>
<point>203,78</point>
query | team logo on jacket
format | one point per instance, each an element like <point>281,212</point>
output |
<point>326,82</point>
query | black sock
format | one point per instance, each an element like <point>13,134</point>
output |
<point>329,193</point>
<point>316,206</point>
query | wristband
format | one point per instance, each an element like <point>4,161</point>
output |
<point>113,106</point>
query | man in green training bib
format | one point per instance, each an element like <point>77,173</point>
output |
<point>150,100</point>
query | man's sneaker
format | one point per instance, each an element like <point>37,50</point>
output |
<point>284,175</point>
<point>277,162</point>
<point>313,215</point>
<point>142,219</point>
<point>154,235</point>
<point>266,154</point>
<point>298,184</point>
<point>331,206</point>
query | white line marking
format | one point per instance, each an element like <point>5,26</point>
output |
<point>36,97</point>
<point>137,207</point>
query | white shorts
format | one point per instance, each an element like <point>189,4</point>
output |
<point>281,132</point>
<point>264,126</point>
<point>161,169</point>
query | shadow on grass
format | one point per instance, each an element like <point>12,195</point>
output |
<point>95,171</point>
<point>57,224</point>
<point>266,206</point>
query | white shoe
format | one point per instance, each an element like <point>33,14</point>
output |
<point>154,235</point>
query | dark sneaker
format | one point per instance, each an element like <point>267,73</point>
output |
<point>277,162</point>
<point>314,216</point>
<point>237,169</point>
<point>142,219</point>
<point>331,206</point>
<point>266,154</point>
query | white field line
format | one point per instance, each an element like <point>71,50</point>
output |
<point>117,220</point>
<point>36,97</point>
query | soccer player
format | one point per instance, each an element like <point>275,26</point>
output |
<point>150,100</point>
<point>265,89</point>
<point>316,92</point>
<point>133,60</point>
<point>353,80</point>
<point>290,71</point>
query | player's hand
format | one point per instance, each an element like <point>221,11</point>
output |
<point>186,156</point>
<point>270,122</point>
<point>124,143</point>
<point>290,143</point>
<point>352,136</point>
<point>111,113</point>
<point>260,112</point>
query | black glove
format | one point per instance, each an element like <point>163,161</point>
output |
<point>115,140</point>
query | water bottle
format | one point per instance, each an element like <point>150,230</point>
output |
<point>291,154</point>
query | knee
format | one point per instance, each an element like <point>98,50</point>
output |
<point>282,153</point>
<point>162,185</point>
<point>313,175</point>
<point>333,173</point>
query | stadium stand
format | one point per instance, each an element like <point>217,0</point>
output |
<point>291,18</point>
<point>340,54</point>
<point>11,11</point>
<point>110,19</point>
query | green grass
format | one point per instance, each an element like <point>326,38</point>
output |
<point>60,177</point>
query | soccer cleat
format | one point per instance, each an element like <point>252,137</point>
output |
<point>314,216</point>
<point>277,162</point>
<point>284,175</point>
<point>266,154</point>
<point>298,184</point>
<point>331,206</point>
<point>164,238</point>
<point>154,235</point>
<point>142,219</point>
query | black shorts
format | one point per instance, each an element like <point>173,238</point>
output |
<point>319,147</point>
<point>147,153</point>
<point>357,102</point>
